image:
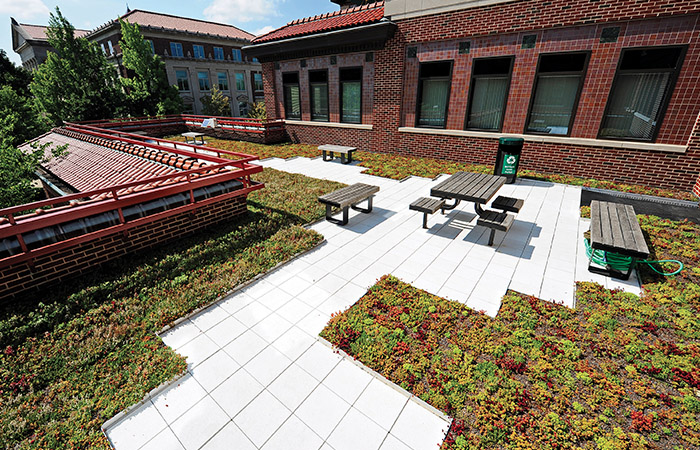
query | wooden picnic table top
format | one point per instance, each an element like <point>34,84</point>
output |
<point>471,187</point>
<point>615,228</point>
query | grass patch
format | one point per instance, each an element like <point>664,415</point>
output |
<point>84,353</point>
<point>617,372</point>
<point>398,167</point>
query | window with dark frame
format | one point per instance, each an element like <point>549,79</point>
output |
<point>203,78</point>
<point>198,51</point>
<point>176,49</point>
<point>640,92</point>
<point>556,91</point>
<point>318,83</point>
<point>434,79</point>
<point>219,53</point>
<point>240,81</point>
<point>222,78</point>
<point>350,94</point>
<point>183,80</point>
<point>292,95</point>
<point>488,93</point>
<point>237,56</point>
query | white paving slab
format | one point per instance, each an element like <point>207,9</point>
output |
<point>259,377</point>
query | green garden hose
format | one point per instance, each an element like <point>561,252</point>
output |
<point>622,263</point>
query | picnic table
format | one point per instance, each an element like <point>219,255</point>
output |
<point>471,187</point>
<point>194,136</point>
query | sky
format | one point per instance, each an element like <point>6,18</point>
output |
<point>253,16</point>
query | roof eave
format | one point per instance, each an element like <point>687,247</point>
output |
<point>372,35</point>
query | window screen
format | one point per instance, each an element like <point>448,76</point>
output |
<point>292,96</point>
<point>318,83</point>
<point>351,95</point>
<point>489,92</point>
<point>433,93</point>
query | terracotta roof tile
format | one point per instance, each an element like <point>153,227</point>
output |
<point>38,32</point>
<point>168,22</point>
<point>359,15</point>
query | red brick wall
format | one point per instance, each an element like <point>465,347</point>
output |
<point>677,122</point>
<point>315,135</point>
<point>24,278</point>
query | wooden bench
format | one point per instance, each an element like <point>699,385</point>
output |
<point>427,206</point>
<point>345,152</point>
<point>348,197</point>
<point>615,229</point>
<point>508,204</point>
<point>496,221</point>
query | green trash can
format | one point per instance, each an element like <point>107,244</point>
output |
<point>508,158</point>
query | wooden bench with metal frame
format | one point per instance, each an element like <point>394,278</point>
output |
<point>348,197</point>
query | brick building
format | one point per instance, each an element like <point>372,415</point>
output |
<point>113,194</point>
<point>197,55</point>
<point>604,89</point>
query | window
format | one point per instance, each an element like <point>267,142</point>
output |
<point>255,60</point>
<point>176,49</point>
<point>292,97</point>
<point>102,46</point>
<point>150,44</point>
<point>318,82</point>
<point>433,93</point>
<point>223,80</point>
<point>640,92</point>
<point>488,93</point>
<point>183,80</point>
<point>240,81</point>
<point>258,81</point>
<point>237,56</point>
<point>111,48</point>
<point>203,78</point>
<point>198,51</point>
<point>557,87</point>
<point>351,95</point>
<point>243,109</point>
<point>219,53</point>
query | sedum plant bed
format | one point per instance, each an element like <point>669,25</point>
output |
<point>394,166</point>
<point>617,372</point>
<point>74,358</point>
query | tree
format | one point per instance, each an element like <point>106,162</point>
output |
<point>11,75</point>
<point>19,119</point>
<point>147,89</point>
<point>216,104</point>
<point>76,82</point>
<point>17,171</point>
<point>257,111</point>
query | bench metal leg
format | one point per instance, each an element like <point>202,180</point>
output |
<point>325,155</point>
<point>493,233</point>
<point>608,272</point>
<point>425,220</point>
<point>330,218</point>
<point>364,210</point>
<point>447,207</point>
<point>343,159</point>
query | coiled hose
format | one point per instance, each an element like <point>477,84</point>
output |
<point>622,263</point>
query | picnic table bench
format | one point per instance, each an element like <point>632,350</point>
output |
<point>615,229</point>
<point>348,197</point>
<point>345,152</point>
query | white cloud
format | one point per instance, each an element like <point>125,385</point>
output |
<point>23,9</point>
<point>229,11</point>
<point>264,30</point>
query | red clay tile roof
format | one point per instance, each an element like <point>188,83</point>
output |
<point>88,166</point>
<point>358,15</point>
<point>38,32</point>
<point>168,22</point>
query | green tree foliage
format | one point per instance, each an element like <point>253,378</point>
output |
<point>17,170</point>
<point>216,104</point>
<point>19,120</point>
<point>16,77</point>
<point>257,111</point>
<point>76,82</point>
<point>147,89</point>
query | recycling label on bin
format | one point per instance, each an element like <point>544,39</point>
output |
<point>510,164</point>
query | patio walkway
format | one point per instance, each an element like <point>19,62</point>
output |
<point>260,378</point>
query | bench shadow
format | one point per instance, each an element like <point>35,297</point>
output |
<point>369,220</point>
<point>457,221</point>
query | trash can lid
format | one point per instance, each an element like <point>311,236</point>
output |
<point>511,141</point>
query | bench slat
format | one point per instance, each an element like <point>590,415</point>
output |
<point>639,240</point>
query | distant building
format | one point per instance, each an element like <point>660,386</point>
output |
<point>197,55</point>
<point>596,89</point>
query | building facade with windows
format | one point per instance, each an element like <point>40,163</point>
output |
<point>597,89</point>
<point>197,55</point>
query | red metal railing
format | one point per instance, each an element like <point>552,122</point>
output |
<point>59,210</point>
<point>239,123</point>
